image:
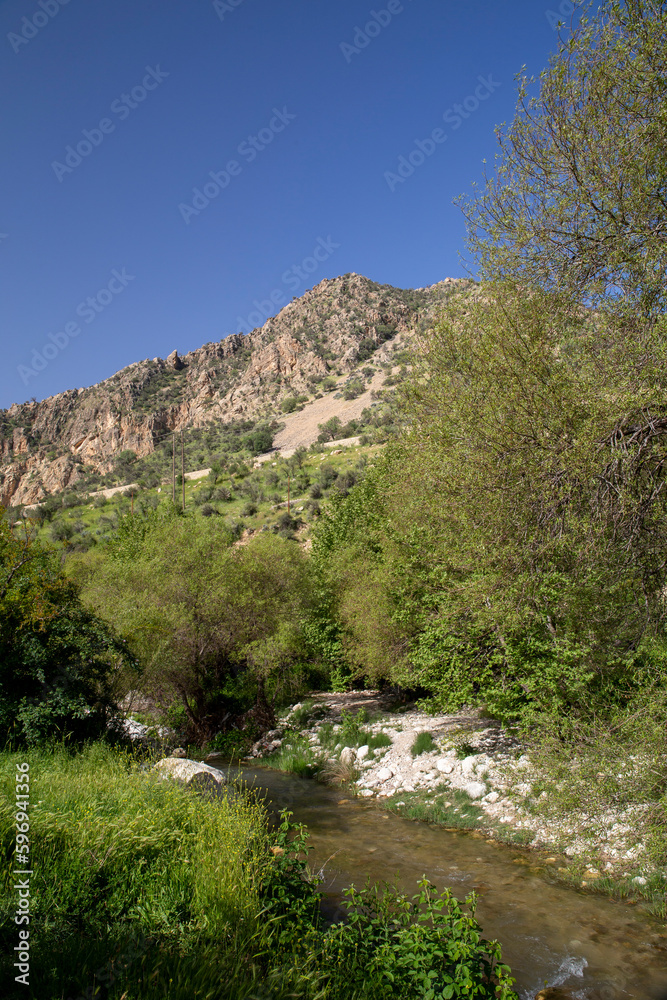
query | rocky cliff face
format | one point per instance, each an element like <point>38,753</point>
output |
<point>46,446</point>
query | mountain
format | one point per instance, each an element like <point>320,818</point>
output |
<point>47,446</point>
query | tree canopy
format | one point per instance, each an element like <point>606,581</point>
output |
<point>578,199</point>
<point>211,622</point>
<point>59,663</point>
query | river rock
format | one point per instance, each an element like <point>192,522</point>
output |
<point>445,766</point>
<point>492,797</point>
<point>468,764</point>
<point>363,752</point>
<point>347,755</point>
<point>385,773</point>
<point>475,789</point>
<point>190,772</point>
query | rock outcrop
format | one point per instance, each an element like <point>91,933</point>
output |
<point>45,447</point>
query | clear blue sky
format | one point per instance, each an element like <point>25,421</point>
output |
<point>311,120</point>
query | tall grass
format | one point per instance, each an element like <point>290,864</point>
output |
<point>127,865</point>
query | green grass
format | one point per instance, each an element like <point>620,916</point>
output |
<point>423,744</point>
<point>378,741</point>
<point>444,806</point>
<point>295,756</point>
<point>128,865</point>
<point>91,521</point>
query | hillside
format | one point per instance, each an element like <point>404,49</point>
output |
<point>338,328</point>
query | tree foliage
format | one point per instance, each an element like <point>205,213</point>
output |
<point>211,622</point>
<point>578,199</point>
<point>533,474</point>
<point>59,664</point>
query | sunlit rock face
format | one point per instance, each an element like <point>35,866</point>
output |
<point>45,445</point>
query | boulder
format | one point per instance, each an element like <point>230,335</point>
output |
<point>475,789</point>
<point>190,772</point>
<point>347,755</point>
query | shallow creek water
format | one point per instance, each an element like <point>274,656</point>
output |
<point>550,934</point>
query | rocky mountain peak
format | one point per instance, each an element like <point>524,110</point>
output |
<point>45,446</point>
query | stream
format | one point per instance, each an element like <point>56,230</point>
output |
<point>551,935</point>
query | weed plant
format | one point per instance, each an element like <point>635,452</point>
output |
<point>448,807</point>
<point>423,744</point>
<point>296,756</point>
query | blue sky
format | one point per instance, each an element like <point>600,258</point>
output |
<point>117,244</point>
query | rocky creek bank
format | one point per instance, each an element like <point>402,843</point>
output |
<point>460,769</point>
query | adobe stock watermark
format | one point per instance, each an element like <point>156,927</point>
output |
<point>249,149</point>
<point>454,117</point>
<point>565,9</point>
<point>31,26</point>
<point>88,311</point>
<point>222,7</point>
<point>292,278</point>
<point>379,20</point>
<point>122,108</point>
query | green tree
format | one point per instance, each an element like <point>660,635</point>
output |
<point>59,664</point>
<point>578,199</point>
<point>528,497</point>
<point>215,625</point>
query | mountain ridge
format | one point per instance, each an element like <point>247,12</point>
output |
<point>47,446</point>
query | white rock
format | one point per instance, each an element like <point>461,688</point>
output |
<point>639,880</point>
<point>468,764</point>
<point>445,766</point>
<point>191,772</point>
<point>366,793</point>
<point>363,752</point>
<point>385,773</point>
<point>475,789</point>
<point>491,797</point>
<point>347,755</point>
